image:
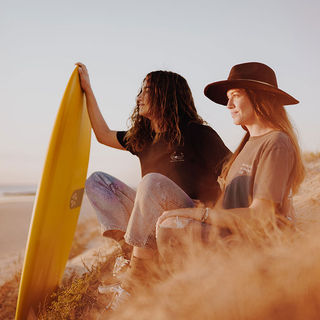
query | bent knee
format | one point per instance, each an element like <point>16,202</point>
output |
<point>92,180</point>
<point>153,177</point>
<point>153,180</point>
<point>95,180</point>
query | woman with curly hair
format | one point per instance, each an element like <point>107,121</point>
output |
<point>176,151</point>
<point>266,169</point>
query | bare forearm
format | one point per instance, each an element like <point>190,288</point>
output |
<point>262,210</point>
<point>216,213</point>
<point>98,123</point>
<point>101,129</point>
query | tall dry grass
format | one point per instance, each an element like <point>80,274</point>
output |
<point>311,156</point>
<point>276,280</point>
<point>259,273</point>
<point>78,298</point>
<point>8,297</point>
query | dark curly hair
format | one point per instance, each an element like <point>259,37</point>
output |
<point>171,106</point>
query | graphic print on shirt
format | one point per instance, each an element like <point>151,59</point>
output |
<point>245,169</point>
<point>201,149</point>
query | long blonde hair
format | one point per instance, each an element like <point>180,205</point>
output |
<point>270,110</point>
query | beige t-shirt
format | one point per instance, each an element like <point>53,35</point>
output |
<point>262,170</point>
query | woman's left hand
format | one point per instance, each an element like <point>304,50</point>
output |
<point>191,213</point>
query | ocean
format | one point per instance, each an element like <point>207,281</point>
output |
<point>17,190</point>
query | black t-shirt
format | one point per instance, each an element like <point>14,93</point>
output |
<point>194,165</point>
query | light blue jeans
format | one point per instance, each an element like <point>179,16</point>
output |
<point>119,207</point>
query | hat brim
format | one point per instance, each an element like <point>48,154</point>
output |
<point>217,91</point>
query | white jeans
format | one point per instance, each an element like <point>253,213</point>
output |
<point>119,207</point>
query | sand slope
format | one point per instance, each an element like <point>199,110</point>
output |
<point>15,217</point>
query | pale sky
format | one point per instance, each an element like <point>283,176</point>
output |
<point>120,42</point>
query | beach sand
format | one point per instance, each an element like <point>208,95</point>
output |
<point>15,217</point>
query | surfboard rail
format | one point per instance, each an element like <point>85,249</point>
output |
<point>58,201</point>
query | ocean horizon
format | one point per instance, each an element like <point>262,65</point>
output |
<point>17,190</point>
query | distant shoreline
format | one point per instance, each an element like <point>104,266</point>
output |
<point>15,194</point>
<point>17,190</point>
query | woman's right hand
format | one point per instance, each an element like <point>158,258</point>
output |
<point>103,133</point>
<point>84,77</point>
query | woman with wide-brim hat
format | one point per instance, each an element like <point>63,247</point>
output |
<point>266,169</point>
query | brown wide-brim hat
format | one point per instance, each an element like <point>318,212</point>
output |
<point>250,75</point>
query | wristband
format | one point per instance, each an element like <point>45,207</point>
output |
<point>205,215</point>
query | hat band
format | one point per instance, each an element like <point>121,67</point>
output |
<point>256,81</point>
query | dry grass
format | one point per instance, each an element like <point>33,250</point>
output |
<point>279,280</point>
<point>8,297</point>
<point>86,230</point>
<point>311,156</point>
<point>78,298</point>
<point>260,273</point>
<point>264,274</point>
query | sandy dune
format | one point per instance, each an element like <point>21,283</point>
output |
<point>15,217</point>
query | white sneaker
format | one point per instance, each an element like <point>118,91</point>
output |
<point>120,266</point>
<point>120,296</point>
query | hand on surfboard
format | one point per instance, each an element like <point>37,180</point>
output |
<point>84,77</point>
<point>101,130</point>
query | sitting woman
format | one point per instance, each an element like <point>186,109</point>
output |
<point>259,179</point>
<point>176,152</point>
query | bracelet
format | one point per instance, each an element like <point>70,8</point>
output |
<point>205,215</point>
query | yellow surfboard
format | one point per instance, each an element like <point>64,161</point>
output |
<point>58,201</point>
